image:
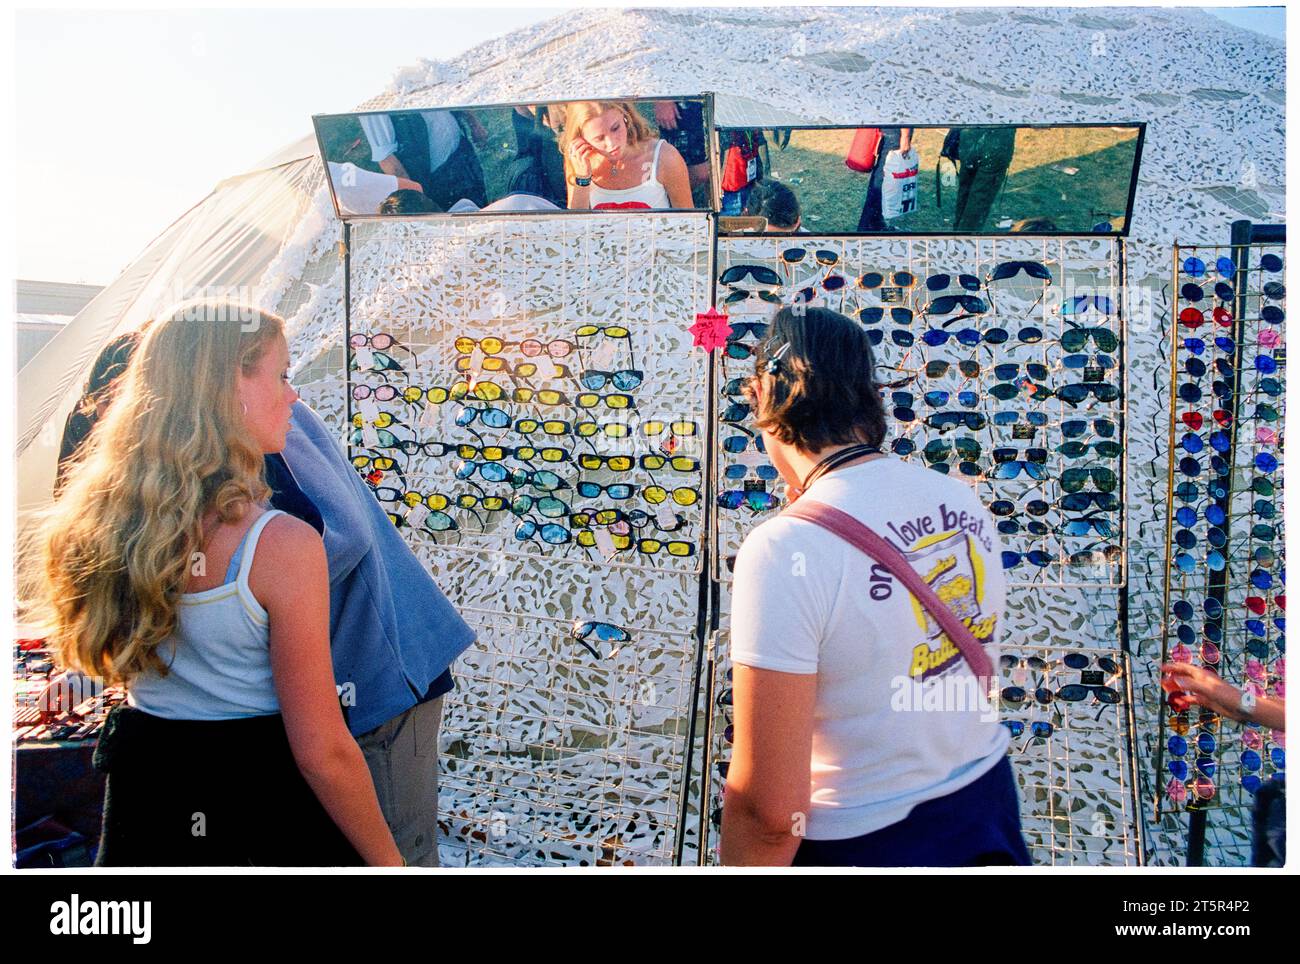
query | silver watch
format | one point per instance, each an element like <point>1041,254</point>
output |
<point>1248,701</point>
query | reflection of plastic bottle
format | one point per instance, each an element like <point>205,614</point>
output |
<point>948,176</point>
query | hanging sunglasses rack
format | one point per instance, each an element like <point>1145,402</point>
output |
<point>559,757</point>
<point>1224,587</point>
<point>1034,317</point>
<point>1019,391</point>
<point>539,440</point>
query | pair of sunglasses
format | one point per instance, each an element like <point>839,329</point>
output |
<point>1078,392</point>
<point>947,304</point>
<point>1075,338</point>
<point>1225,266</point>
<point>939,282</point>
<point>761,274</point>
<point>822,256</point>
<point>897,279</point>
<point>874,313</point>
<point>755,501</point>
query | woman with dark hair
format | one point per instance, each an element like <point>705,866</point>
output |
<point>863,734</point>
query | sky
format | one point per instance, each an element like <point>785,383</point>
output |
<point>130,118</point>
<point>127,119</point>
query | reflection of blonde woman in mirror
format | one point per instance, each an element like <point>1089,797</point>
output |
<point>613,160</point>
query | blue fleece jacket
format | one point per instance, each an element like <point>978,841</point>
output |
<point>392,631</point>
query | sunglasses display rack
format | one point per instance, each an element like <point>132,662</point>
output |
<point>524,402</point>
<point>1066,710</point>
<point>566,757</point>
<point>1225,572</point>
<point>1078,782</point>
<point>1001,363</point>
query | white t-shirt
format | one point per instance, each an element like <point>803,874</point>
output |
<point>805,601</point>
<point>360,191</point>
<point>444,135</point>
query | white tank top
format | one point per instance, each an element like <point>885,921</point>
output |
<point>648,194</point>
<point>220,655</point>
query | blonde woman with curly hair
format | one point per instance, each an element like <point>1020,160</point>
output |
<point>613,160</point>
<point>163,569</point>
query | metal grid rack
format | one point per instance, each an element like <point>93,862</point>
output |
<point>1225,570</point>
<point>1087,276</point>
<point>559,756</point>
<point>1081,766</point>
<point>1076,781</point>
<point>496,422</point>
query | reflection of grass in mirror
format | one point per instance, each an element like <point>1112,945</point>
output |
<point>832,195</point>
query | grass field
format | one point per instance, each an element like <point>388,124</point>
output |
<point>1038,184</point>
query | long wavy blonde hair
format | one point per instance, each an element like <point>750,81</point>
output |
<point>577,114</point>
<point>115,550</point>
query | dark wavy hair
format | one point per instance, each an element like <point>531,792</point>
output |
<point>823,392</point>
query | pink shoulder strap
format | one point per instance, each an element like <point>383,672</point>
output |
<point>855,533</point>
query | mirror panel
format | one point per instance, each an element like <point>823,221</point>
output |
<point>634,154</point>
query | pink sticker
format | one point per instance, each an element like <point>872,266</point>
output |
<point>1270,338</point>
<point>1176,791</point>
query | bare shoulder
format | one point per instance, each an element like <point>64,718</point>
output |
<point>286,533</point>
<point>671,156</point>
<point>287,546</point>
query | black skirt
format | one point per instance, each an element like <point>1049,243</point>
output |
<point>209,793</point>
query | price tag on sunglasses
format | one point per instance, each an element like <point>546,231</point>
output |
<point>751,458</point>
<point>369,410</point>
<point>1094,373</point>
<point>893,296</point>
<point>604,355</point>
<point>429,417</point>
<point>1092,677</point>
<point>364,356</point>
<point>1022,431</point>
<point>416,515</point>
<point>665,517</point>
<point>369,436</point>
<point>755,485</point>
<point>604,543</point>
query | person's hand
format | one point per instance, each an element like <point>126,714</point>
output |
<point>792,493</point>
<point>1205,688</point>
<point>584,156</point>
<point>666,114</point>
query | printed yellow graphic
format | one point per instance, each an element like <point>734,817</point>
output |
<point>953,568</point>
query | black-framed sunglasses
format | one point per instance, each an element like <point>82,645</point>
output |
<point>1009,269</point>
<point>760,273</point>
<point>873,314</point>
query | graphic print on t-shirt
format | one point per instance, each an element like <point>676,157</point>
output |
<point>949,561</point>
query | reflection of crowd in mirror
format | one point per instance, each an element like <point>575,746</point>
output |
<point>893,140</point>
<point>983,155</point>
<point>431,148</point>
